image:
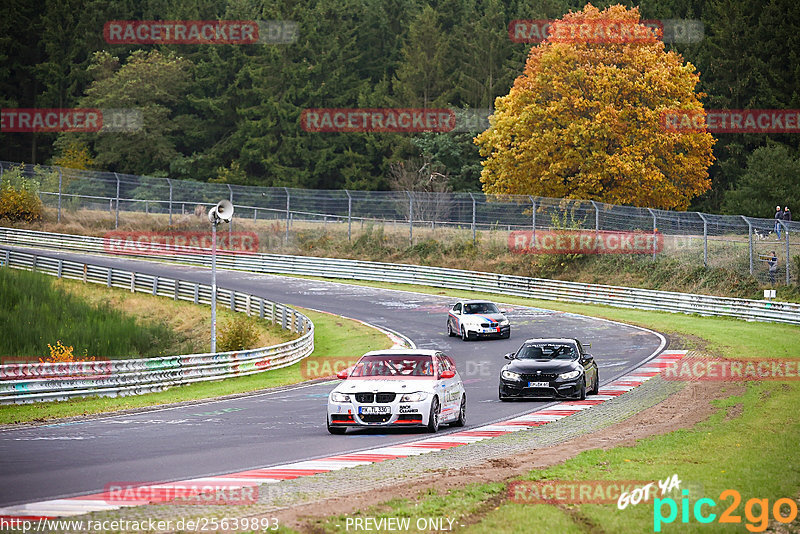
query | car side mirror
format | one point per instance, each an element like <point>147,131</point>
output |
<point>509,356</point>
<point>447,374</point>
<point>343,374</point>
<point>588,357</point>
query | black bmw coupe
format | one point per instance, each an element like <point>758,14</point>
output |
<point>549,368</point>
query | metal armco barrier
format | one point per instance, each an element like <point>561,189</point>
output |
<point>539,288</point>
<point>23,383</point>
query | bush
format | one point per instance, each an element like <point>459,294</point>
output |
<point>19,204</point>
<point>237,334</point>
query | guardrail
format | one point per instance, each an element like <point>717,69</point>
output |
<point>539,288</point>
<point>32,382</point>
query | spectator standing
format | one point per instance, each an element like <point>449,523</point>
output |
<point>773,267</point>
<point>787,214</point>
<point>778,219</point>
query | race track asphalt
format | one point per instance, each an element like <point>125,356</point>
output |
<point>276,427</point>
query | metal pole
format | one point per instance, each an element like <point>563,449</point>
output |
<point>654,231</point>
<point>533,221</point>
<point>230,224</point>
<point>213,287</point>
<point>596,217</point>
<point>705,239</point>
<point>410,218</point>
<point>60,180</point>
<point>287,214</point>
<point>788,260</point>
<point>349,214</point>
<point>116,220</point>
<point>750,240</point>
<point>170,201</point>
<point>473,217</point>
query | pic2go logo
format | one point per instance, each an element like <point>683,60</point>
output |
<point>756,511</point>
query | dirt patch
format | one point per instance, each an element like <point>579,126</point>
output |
<point>686,408</point>
<point>733,411</point>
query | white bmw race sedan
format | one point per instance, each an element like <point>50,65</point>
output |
<point>472,319</point>
<point>398,388</point>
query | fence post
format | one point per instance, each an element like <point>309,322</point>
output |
<point>597,217</point>
<point>170,201</point>
<point>533,220</point>
<point>750,240</point>
<point>410,218</point>
<point>116,220</point>
<point>60,180</point>
<point>788,258</point>
<point>288,206</point>
<point>473,217</point>
<point>349,213</point>
<point>654,231</point>
<point>705,239</point>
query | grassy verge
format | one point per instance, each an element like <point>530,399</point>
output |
<point>747,445</point>
<point>106,323</point>
<point>35,312</point>
<point>334,336</point>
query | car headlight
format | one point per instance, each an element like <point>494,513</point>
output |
<point>570,375</point>
<point>510,375</point>
<point>414,397</point>
<point>504,322</point>
<point>339,397</point>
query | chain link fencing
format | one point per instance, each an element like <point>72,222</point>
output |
<point>281,215</point>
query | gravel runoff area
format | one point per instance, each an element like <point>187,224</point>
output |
<point>286,494</point>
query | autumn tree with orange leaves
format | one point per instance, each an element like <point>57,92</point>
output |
<point>584,118</point>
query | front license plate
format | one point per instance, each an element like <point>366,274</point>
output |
<point>538,384</point>
<point>374,410</point>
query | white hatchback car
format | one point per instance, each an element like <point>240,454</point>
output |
<point>398,388</point>
<point>477,318</point>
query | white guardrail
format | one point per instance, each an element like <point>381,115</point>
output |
<point>33,382</point>
<point>644,299</point>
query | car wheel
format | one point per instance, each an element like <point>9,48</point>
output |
<point>433,418</point>
<point>501,396</point>
<point>462,413</point>
<point>337,430</point>
<point>506,336</point>
<point>464,335</point>
<point>449,330</point>
<point>596,388</point>
<point>582,394</point>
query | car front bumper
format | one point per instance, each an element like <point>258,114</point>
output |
<point>350,414</point>
<point>556,390</point>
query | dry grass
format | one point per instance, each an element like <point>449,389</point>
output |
<point>190,322</point>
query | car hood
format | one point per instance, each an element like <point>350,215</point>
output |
<point>393,385</point>
<point>482,317</point>
<point>545,366</point>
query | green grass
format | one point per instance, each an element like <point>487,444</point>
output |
<point>749,451</point>
<point>35,313</point>
<point>334,336</point>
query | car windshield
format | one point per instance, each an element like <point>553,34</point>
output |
<point>547,351</point>
<point>394,365</point>
<point>480,307</point>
